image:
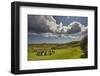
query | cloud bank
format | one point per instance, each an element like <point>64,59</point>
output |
<point>47,26</point>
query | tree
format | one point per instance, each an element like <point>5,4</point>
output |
<point>83,44</point>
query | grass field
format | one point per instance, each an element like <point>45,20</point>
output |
<point>46,51</point>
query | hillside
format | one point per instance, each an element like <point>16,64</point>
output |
<point>46,51</point>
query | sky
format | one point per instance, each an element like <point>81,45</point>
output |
<point>56,29</point>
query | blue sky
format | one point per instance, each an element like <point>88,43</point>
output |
<point>55,29</point>
<point>68,19</point>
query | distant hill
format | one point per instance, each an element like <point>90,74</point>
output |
<point>73,42</point>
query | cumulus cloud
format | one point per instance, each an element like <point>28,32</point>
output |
<point>47,26</point>
<point>75,27</point>
<point>44,24</point>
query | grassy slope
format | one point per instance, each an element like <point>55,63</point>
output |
<point>62,51</point>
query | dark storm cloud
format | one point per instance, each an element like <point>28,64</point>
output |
<point>47,26</point>
<point>37,24</point>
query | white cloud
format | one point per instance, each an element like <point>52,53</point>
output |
<point>47,26</point>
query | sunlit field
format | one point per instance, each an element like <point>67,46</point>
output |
<point>46,51</point>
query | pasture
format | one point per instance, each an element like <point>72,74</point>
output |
<point>46,51</point>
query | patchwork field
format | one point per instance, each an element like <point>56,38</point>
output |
<point>46,51</point>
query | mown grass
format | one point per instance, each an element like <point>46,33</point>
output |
<point>62,51</point>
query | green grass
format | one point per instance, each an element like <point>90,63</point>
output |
<point>62,51</point>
